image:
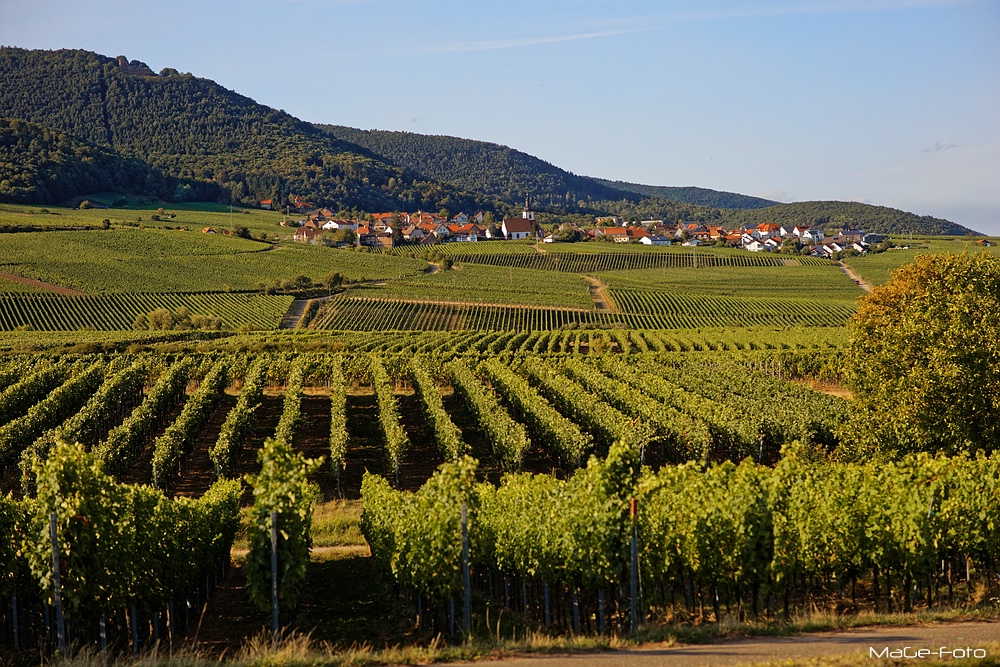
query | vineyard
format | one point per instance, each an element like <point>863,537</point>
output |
<point>149,260</point>
<point>742,540</point>
<point>562,438</point>
<point>114,312</point>
<point>591,262</point>
<point>643,310</point>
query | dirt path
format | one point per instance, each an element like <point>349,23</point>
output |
<point>801,647</point>
<point>48,287</point>
<point>856,277</point>
<point>293,314</point>
<point>602,299</point>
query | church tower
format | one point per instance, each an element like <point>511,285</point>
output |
<point>528,214</point>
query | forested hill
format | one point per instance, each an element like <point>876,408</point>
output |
<point>691,195</point>
<point>840,214</point>
<point>193,128</point>
<point>39,165</point>
<point>481,166</point>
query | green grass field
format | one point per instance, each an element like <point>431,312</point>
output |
<point>151,260</point>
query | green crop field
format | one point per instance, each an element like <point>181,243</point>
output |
<point>643,310</point>
<point>813,282</point>
<point>877,269</point>
<point>126,260</point>
<point>480,283</point>
<point>118,311</point>
<point>608,257</point>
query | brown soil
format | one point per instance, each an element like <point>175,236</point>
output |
<point>831,388</point>
<point>365,448</point>
<point>423,456</point>
<point>197,469</point>
<point>312,439</point>
<point>141,471</point>
<point>39,284</point>
<point>479,444</point>
<point>228,619</point>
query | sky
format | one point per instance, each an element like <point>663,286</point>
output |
<point>890,102</point>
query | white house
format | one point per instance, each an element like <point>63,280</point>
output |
<point>341,224</point>
<point>813,234</point>
<point>655,240</point>
<point>515,229</point>
<point>754,246</point>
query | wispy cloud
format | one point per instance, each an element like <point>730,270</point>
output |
<point>514,43</point>
<point>940,147</point>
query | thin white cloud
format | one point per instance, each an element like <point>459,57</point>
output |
<point>493,45</point>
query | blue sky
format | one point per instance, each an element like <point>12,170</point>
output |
<point>893,102</point>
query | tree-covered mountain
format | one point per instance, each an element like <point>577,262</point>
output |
<point>481,166</point>
<point>691,195</point>
<point>192,128</point>
<point>841,214</point>
<point>39,165</point>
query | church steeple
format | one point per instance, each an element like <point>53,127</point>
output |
<point>528,214</point>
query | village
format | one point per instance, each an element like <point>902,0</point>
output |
<point>389,230</point>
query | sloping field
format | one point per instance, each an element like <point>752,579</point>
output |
<point>118,311</point>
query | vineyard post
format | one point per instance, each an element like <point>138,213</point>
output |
<point>466,585</point>
<point>56,584</point>
<point>103,626</point>
<point>634,574</point>
<point>17,635</point>
<point>274,579</point>
<point>135,629</point>
<point>600,611</point>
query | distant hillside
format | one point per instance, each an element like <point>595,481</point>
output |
<point>691,195</point>
<point>39,165</point>
<point>481,166</point>
<point>840,214</point>
<point>195,129</point>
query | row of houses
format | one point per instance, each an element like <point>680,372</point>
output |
<point>754,238</point>
<point>420,227</point>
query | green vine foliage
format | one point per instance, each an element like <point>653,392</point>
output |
<point>281,486</point>
<point>118,543</point>
<point>417,537</point>
<point>724,527</point>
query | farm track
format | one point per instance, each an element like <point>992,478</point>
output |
<point>296,309</point>
<point>812,646</point>
<point>602,298</point>
<point>856,277</point>
<point>48,287</point>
